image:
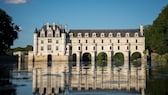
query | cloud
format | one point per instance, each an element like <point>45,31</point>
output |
<point>16,1</point>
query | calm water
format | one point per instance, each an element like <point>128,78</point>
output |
<point>64,79</point>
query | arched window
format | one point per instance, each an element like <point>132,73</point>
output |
<point>102,48</point>
<point>78,48</point>
<point>86,48</point>
<point>110,48</point>
<point>136,47</point>
<point>118,47</point>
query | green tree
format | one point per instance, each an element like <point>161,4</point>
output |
<point>8,31</point>
<point>157,34</point>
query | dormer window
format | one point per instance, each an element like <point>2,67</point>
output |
<point>102,34</point>
<point>42,35</point>
<point>86,35</point>
<point>118,34</point>
<point>94,35</point>
<point>136,34</point>
<point>110,35</point>
<point>79,34</point>
<point>127,34</point>
<point>49,35</point>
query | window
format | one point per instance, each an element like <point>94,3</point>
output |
<point>42,48</point>
<point>110,34</point>
<point>57,48</point>
<point>102,48</point>
<point>49,40</point>
<point>93,48</point>
<point>127,34</point>
<point>42,41</point>
<point>136,34</point>
<point>49,35</point>
<point>86,41</point>
<point>102,34</point>
<point>118,47</point>
<point>118,41</point>
<point>57,42</point>
<point>94,35</point>
<point>127,48</point>
<point>86,34</point>
<point>93,41</point>
<point>136,47</point>
<point>57,35</point>
<point>127,41</point>
<point>49,47</point>
<point>136,41</point>
<point>110,41</point>
<point>79,34</point>
<point>102,41</point>
<point>118,35</point>
<point>110,48</point>
<point>86,48</point>
<point>79,41</point>
<point>78,48</point>
<point>42,35</point>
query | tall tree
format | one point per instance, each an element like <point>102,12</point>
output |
<point>8,31</point>
<point>157,34</point>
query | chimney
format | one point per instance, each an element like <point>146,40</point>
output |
<point>47,25</point>
<point>141,30</point>
<point>54,26</point>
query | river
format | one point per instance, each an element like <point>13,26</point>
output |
<point>65,79</point>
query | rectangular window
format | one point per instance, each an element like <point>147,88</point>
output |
<point>102,41</point>
<point>93,48</point>
<point>57,42</point>
<point>42,48</point>
<point>79,41</point>
<point>86,41</point>
<point>118,41</point>
<point>86,48</point>
<point>118,47</point>
<point>136,41</point>
<point>93,41</point>
<point>136,47</point>
<point>57,48</point>
<point>102,48</point>
<point>49,47</point>
<point>49,40</point>
<point>110,41</point>
<point>42,41</point>
<point>127,41</point>
<point>78,48</point>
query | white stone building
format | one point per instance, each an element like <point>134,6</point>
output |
<point>55,43</point>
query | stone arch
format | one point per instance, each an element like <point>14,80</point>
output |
<point>86,58</point>
<point>135,58</point>
<point>118,59</point>
<point>101,59</point>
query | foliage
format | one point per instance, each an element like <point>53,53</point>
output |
<point>8,31</point>
<point>102,59</point>
<point>157,83</point>
<point>156,35</point>
<point>27,48</point>
<point>118,59</point>
<point>135,56</point>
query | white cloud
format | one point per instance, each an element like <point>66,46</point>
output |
<point>16,1</point>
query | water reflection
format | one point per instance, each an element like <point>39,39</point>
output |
<point>65,79</point>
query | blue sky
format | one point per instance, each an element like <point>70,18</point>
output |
<point>80,14</point>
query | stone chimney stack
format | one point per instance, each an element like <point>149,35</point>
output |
<point>54,26</point>
<point>47,25</point>
<point>141,30</point>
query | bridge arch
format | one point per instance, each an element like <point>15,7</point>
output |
<point>86,58</point>
<point>135,58</point>
<point>118,59</point>
<point>101,59</point>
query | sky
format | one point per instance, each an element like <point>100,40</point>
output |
<point>80,14</point>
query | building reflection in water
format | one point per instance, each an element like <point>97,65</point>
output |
<point>61,78</point>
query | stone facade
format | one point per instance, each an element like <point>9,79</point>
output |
<point>60,44</point>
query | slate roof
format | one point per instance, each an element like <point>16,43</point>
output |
<point>106,32</point>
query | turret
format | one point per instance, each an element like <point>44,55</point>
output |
<point>35,41</point>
